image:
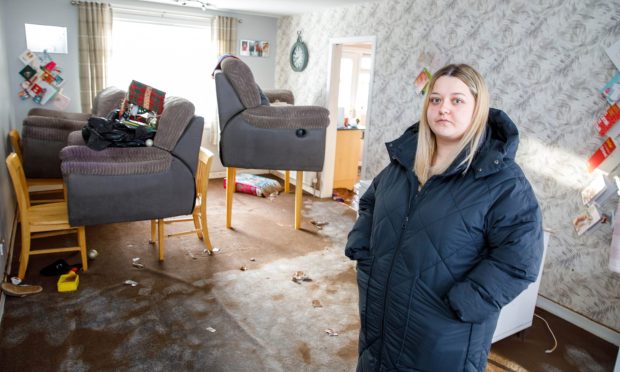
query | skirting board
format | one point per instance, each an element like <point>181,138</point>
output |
<point>579,320</point>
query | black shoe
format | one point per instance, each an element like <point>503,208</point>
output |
<point>57,268</point>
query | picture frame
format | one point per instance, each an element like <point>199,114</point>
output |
<point>254,48</point>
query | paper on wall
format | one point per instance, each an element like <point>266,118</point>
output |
<point>614,252</point>
<point>614,53</point>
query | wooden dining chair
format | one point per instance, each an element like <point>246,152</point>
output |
<point>39,221</point>
<point>199,215</point>
<point>37,186</point>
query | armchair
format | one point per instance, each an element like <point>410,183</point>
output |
<point>265,137</point>
<point>137,183</point>
<point>45,132</point>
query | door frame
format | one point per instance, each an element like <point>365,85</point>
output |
<point>333,79</point>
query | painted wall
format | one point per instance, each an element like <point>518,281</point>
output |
<point>544,63</point>
<point>7,122</point>
<point>41,12</point>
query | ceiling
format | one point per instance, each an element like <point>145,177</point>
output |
<point>275,8</point>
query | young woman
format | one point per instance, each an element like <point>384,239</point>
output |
<point>448,233</point>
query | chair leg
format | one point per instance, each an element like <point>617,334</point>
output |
<point>153,231</point>
<point>25,253</point>
<point>287,181</point>
<point>160,238</point>
<point>299,189</point>
<point>81,235</point>
<point>205,232</point>
<point>196,218</point>
<point>231,176</point>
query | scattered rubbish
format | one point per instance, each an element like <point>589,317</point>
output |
<point>20,290</point>
<point>192,255</point>
<point>15,280</point>
<point>300,276</point>
<point>253,259</point>
<point>331,332</point>
<point>213,251</point>
<point>317,303</point>
<point>273,195</point>
<point>243,268</point>
<point>131,283</point>
<point>68,282</point>
<point>319,225</point>
<point>92,254</point>
<point>211,329</point>
<point>136,263</point>
<point>59,267</point>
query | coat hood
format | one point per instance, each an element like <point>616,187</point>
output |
<point>500,143</point>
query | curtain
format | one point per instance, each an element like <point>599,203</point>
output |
<point>94,36</point>
<point>224,34</point>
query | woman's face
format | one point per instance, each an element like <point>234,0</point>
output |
<point>450,109</point>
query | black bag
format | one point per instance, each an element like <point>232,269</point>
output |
<point>100,133</point>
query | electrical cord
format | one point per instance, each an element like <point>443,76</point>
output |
<point>555,341</point>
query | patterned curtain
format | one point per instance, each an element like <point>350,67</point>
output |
<point>224,35</point>
<point>94,35</point>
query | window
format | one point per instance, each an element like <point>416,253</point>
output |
<point>169,52</point>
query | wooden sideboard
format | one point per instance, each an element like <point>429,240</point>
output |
<point>348,146</point>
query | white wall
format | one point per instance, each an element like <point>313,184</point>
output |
<point>42,12</point>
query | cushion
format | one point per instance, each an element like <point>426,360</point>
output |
<point>255,185</point>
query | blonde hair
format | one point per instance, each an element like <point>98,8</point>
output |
<point>427,145</point>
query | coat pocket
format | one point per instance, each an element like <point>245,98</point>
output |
<point>434,338</point>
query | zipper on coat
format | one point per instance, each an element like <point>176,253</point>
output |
<point>412,197</point>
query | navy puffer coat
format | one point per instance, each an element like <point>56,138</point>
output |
<point>435,266</point>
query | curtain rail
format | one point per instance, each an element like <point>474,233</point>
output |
<point>138,8</point>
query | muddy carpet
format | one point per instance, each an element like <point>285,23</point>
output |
<point>238,310</point>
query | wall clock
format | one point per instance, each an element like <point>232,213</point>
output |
<point>299,54</point>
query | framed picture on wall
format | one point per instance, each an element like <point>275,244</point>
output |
<point>254,48</point>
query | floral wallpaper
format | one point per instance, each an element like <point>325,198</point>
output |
<point>544,62</point>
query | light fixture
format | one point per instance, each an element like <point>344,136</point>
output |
<point>196,3</point>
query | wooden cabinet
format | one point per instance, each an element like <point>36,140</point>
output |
<point>348,146</point>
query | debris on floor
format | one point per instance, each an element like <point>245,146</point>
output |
<point>331,332</point>
<point>189,253</point>
<point>132,283</point>
<point>243,268</point>
<point>317,303</point>
<point>210,329</point>
<point>300,276</point>
<point>213,251</point>
<point>20,290</point>
<point>135,262</point>
<point>253,259</point>
<point>92,254</point>
<point>319,224</point>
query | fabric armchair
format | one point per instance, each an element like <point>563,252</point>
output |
<point>45,133</point>
<point>258,136</point>
<point>136,183</point>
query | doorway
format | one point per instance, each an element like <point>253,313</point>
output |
<point>349,84</point>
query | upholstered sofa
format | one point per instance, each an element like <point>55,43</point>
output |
<point>136,183</point>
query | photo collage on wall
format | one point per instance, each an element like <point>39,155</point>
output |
<point>254,48</point>
<point>42,80</point>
